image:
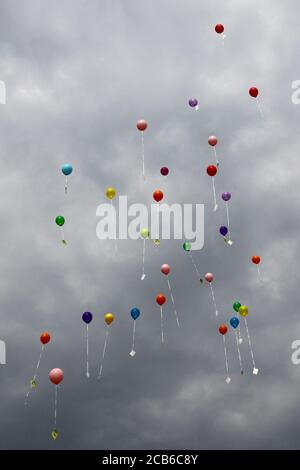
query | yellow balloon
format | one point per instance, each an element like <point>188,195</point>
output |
<point>110,193</point>
<point>145,233</point>
<point>109,318</point>
<point>243,310</point>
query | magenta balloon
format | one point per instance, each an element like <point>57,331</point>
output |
<point>209,277</point>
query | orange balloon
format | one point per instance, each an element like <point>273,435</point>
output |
<point>158,195</point>
<point>255,259</point>
<point>223,329</point>
<point>45,338</point>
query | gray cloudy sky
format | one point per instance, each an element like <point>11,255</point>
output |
<point>78,75</point>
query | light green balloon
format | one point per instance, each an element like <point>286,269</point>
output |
<point>145,233</point>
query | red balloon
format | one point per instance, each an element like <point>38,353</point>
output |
<point>165,269</point>
<point>56,376</point>
<point>219,28</point>
<point>142,125</point>
<point>164,171</point>
<point>255,259</point>
<point>160,299</point>
<point>223,329</point>
<point>211,170</point>
<point>158,195</point>
<point>253,92</point>
<point>45,337</point>
<point>209,277</point>
<point>212,140</point>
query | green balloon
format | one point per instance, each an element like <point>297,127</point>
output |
<point>60,220</point>
<point>236,306</point>
<point>145,233</point>
<point>187,246</point>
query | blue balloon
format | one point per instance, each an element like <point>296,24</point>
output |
<point>67,169</point>
<point>135,313</point>
<point>223,230</point>
<point>234,322</point>
<point>87,317</point>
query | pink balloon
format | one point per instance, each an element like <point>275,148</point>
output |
<point>165,269</point>
<point>209,277</point>
<point>56,376</point>
<point>212,140</point>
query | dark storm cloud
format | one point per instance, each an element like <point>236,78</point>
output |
<point>78,76</point>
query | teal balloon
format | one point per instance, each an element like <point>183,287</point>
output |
<point>67,169</point>
<point>135,313</point>
<point>234,322</point>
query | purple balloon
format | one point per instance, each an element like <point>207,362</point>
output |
<point>223,230</point>
<point>87,317</point>
<point>226,196</point>
<point>193,102</point>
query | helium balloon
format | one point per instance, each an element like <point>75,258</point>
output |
<point>187,246</point>
<point>226,196</point>
<point>193,102</point>
<point>223,330</point>
<point>209,277</point>
<point>255,259</point>
<point>234,322</point>
<point>110,193</point>
<point>158,195</point>
<point>56,376</point>
<point>160,299</point>
<point>164,171</point>
<point>236,306</point>
<point>45,338</point>
<point>165,269</point>
<point>211,170</point>
<point>253,91</point>
<point>243,310</point>
<point>87,317</point>
<point>219,28</point>
<point>145,233</point>
<point>109,318</point>
<point>223,230</point>
<point>212,140</point>
<point>60,220</point>
<point>66,170</point>
<point>142,126</point>
<point>135,313</point>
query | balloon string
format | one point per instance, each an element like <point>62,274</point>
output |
<point>239,352</point>
<point>213,298</point>
<point>35,373</point>
<point>143,261</point>
<point>194,264</point>
<point>173,302</point>
<point>103,353</point>
<point>162,325</point>
<point>214,192</point>
<point>133,335</point>
<point>115,225</point>
<point>215,154</point>
<point>66,185</point>
<point>55,406</point>
<point>62,235</point>
<point>228,222</point>
<point>143,156</point>
<point>258,272</point>
<point>240,335</point>
<point>226,360</point>
<point>250,344</point>
<point>259,107</point>
<point>87,351</point>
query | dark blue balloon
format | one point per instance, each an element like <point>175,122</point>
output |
<point>87,317</point>
<point>234,322</point>
<point>135,313</point>
<point>223,230</point>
